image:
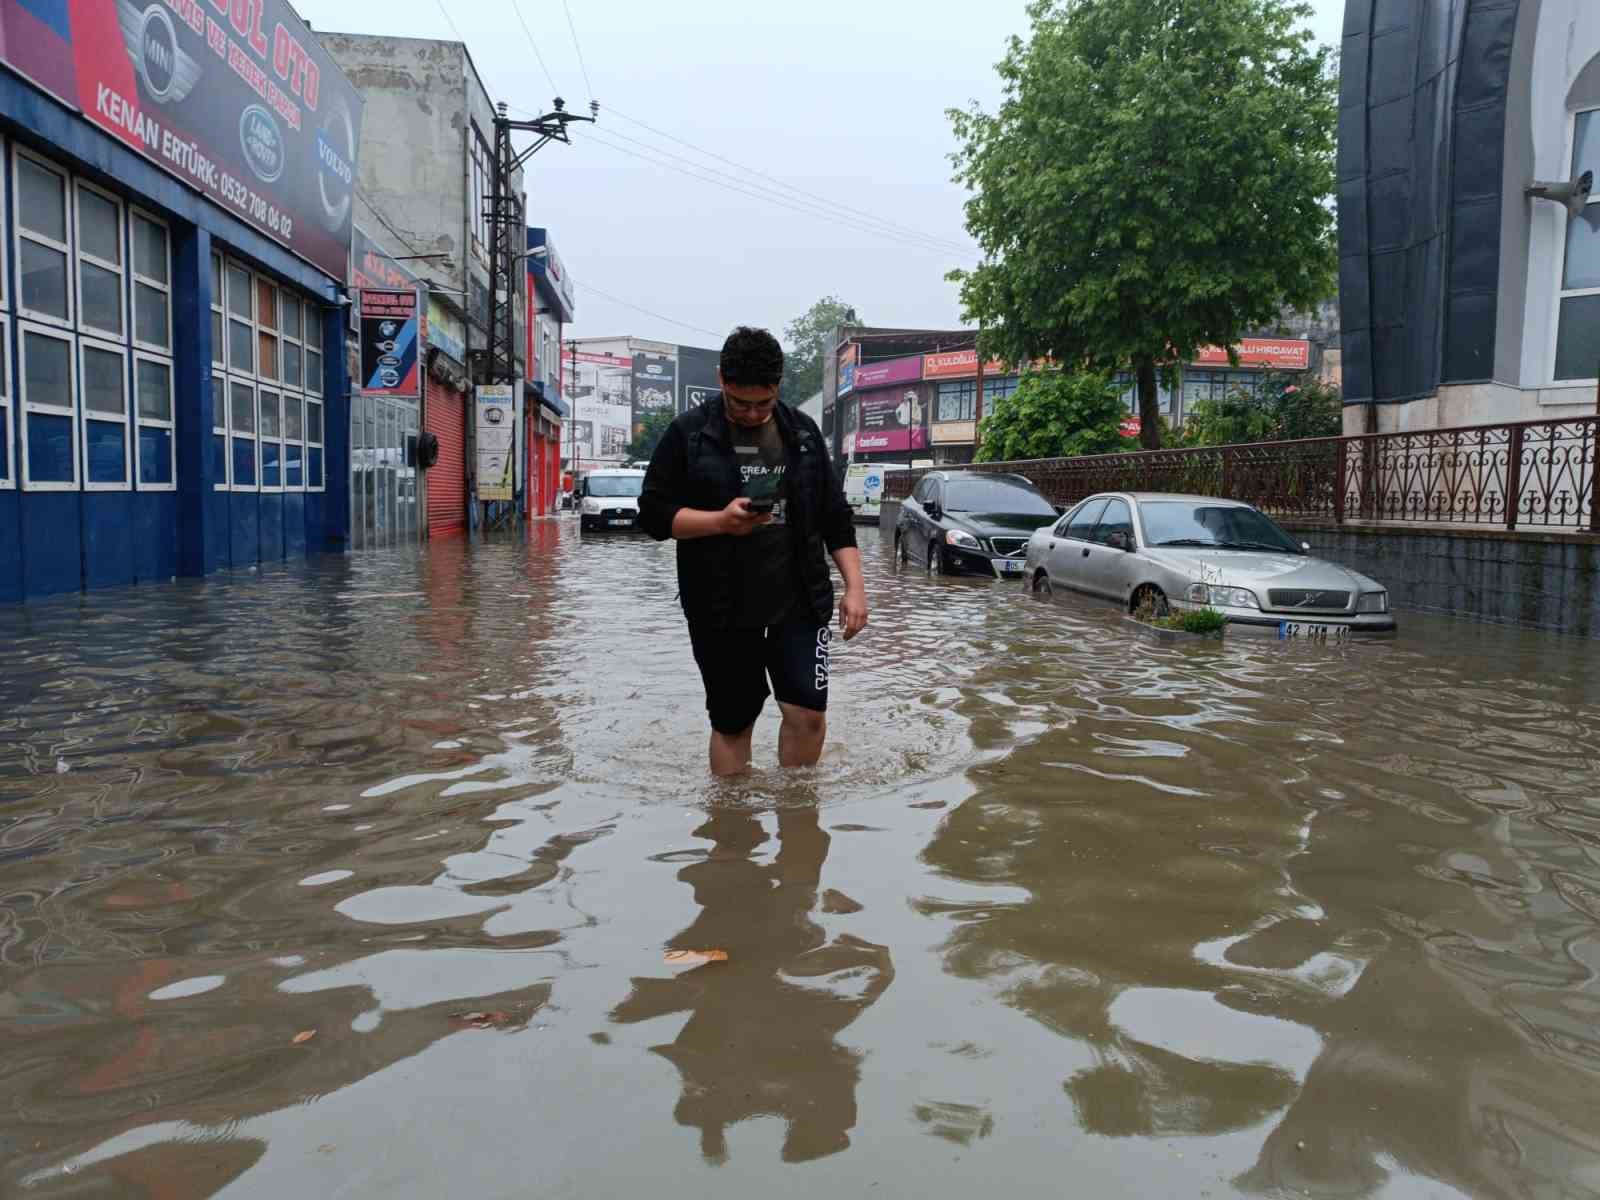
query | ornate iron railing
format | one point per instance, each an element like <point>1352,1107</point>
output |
<point>1527,475</point>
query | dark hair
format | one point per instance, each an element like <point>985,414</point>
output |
<point>752,358</point>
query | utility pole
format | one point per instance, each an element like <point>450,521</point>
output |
<point>507,222</point>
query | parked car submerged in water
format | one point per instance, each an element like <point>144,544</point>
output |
<point>970,523</point>
<point>1185,552</point>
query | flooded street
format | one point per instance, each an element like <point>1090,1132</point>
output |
<point>1060,912</point>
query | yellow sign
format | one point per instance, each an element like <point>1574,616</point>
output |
<point>954,431</point>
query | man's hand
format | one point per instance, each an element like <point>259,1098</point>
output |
<point>853,611</point>
<point>737,520</point>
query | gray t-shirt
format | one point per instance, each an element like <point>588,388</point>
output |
<point>766,557</point>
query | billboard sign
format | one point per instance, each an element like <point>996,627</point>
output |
<point>497,439</point>
<point>697,376</point>
<point>958,364</point>
<point>848,358</point>
<point>955,431</point>
<point>239,101</point>
<point>391,342</point>
<point>655,386</point>
<point>891,420</point>
<point>1283,354</point>
<point>897,370</point>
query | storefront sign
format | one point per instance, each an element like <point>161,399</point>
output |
<point>958,364</point>
<point>1284,354</point>
<point>239,101</point>
<point>1130,427</point>
<point>497,439</point>
<point>391,342</point>
<point>898,370</point>
<point>954,431</point>
<point>446,330</point>
<point>891,420</point>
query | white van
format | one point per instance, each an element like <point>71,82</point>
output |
<point>609,499</point>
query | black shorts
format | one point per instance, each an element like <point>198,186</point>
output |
<point>735,664</point>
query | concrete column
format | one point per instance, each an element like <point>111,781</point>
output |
<point>191,365</point>
<point>336,429</point>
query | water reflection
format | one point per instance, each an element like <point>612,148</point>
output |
<point>761,1038</point>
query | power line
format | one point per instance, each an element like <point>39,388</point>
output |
<point>723,182</point>
<point>876,225</point>
<point>576,45</point>
<point>451,21</point>
<point>772,178</point>
<point>636,308</point>
<point>517,8</point>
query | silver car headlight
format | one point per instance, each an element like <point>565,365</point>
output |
<point>960,537</point>
<point>1373,602</point>
<point>591,506</point>
<point>1217,595</point>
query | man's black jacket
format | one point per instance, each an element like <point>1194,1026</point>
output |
<point>694,467</point>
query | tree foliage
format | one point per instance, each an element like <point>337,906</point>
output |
<point>805,341</point>
<point>1156,179</point>
<point>1299,406</point>
<point>651,430</point>
<point>1053,415</point>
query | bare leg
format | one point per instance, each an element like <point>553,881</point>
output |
<point>730,752</point>
<point>800,737</point>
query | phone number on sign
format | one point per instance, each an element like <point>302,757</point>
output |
<point>257,208</point>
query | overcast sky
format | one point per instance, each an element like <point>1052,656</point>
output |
<point>842,99</point>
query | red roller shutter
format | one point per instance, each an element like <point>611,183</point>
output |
<point>447,478</point>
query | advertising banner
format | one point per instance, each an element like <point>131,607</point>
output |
<point>958,364</point>
<point>239,101</point>
<point>655,386</point>
<point>697,376</point>
<point>391,342</point>
<point>497,440</point>
<point>848,358</point>
<point>897,370</point>
<point>891,420</point>
<point>1283,354</point>
<point>372,266</point>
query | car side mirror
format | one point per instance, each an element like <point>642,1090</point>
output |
<point>933,510</point>
<point>1120,541</point>
<point>1305,547</point>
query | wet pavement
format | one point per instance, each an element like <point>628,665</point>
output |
<point>364,878</point>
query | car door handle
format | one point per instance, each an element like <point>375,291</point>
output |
<point>1086,552</point>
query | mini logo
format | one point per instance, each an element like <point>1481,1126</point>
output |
<point>261,142</point>
<point>151,40</point>
<point>336,152</point>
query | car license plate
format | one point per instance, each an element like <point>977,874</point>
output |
<point>1301,631</point>
<point>1012,566</point>
<point>620,521</point>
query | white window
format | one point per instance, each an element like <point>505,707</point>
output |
<point>221,460</point>
<point>219,334</point>
<point>271,435</point>
<point>102,291</point>
<point>241,320</point>
<point>242,434</point>
<point>268,366</point>
<point>1576,354</point>
<point>158,451</point>
<point>42,248</point>
<point>152,284</point>
<point>958,401</point>
<point>314,466</point>
<point>8,458</point>
<point>103,387</point>
<point>294,366</point>
<point>294,442</point>
<point>48,376</point>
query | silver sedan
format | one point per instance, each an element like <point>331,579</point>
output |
<point>1143,549</point>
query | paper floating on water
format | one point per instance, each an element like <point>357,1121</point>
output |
<point>694,958</point>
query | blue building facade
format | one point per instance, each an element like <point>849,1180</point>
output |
<point>174,396</point>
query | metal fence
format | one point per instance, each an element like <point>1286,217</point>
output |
<point>1527,475</point>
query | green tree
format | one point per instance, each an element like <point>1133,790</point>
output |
<point>1155,179</point>
<point>1299,406</point>
<point>651,431</point>
<point>805,341</point>
<point>1053,415</point>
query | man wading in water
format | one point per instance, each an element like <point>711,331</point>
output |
<point>744,484</point>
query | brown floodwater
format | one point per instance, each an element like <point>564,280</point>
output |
<point>363,878</point>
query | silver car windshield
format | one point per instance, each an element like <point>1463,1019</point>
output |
<point>615,485</point>
<point>1226,526</point>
